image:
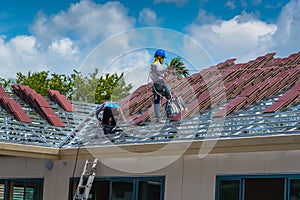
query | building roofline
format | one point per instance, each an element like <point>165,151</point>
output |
<point>178,148</point>
<point>30,151</point>
<point>211,146</point>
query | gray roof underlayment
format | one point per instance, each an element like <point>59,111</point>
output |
<point>228,100</point>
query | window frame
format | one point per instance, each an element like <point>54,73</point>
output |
<point>242,177</point>
<point>5,186</point>
<point>134,179</point>
<point>7,183</point>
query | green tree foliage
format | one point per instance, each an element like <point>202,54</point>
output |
<point>111,86</point>
<point>85,87</point>
<point>90,89</point>
<point>41,82</point>
<point>121,90</point>
<point>37,81</point>
<point>5,83</point>
<point>179,67</point>
<point>62,83</point>
<point>97,90</point>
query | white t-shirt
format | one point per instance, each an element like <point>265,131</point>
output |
<point>157,72</point>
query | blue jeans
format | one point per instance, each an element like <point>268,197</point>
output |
<point>158,91</point>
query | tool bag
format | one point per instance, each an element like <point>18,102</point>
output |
<point>177,105</point>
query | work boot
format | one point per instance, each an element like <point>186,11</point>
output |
<point>170,115</point>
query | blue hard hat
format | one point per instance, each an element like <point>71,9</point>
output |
<point>160,52</point>
<point>113,105</point>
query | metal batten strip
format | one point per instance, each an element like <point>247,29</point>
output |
<point>76,129</point>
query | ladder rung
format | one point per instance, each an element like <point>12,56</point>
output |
<point>88,174</point>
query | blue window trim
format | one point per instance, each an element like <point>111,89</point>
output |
<point>288,184</point>
<point>2,181</point>
<point>6,181</point>
<point>228,178</point>
<point>241,177</point>
<point>134,179</point>
<point>22,179</point>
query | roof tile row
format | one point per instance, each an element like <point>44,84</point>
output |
<point>39,103</point>
<point>61,100</point>
<point>12,107</point>
<point>243,84</point>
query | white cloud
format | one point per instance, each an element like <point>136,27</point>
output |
<point>24,45</point>
<point>64,47</point>
<point>243,37</point>
<point>135,53</point>
<point>204,17</point>
<point>20,54</point>
<point>135,65</point>
<point>60,42</point>
<point>23,53</point>
<point>148,17</point>
<point>86,21</point>
<point>286,39</point>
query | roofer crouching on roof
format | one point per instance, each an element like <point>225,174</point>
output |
<point>158,75</point>
<point>108,114</point>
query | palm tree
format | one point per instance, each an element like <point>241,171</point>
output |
<point>179,67</point>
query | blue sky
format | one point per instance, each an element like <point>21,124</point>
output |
<point>58,36</point>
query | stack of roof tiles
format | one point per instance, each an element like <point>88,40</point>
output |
<point>39,103</point>
<point>13,107</point>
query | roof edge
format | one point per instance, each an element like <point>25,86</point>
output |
<point>30,151</point>
<point>176,148</point>
<point>197,147</point>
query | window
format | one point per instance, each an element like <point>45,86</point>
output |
<point>295,189</point>
<point>229,189</point>
<point>149,190</point>
<point>258,187</point>
<point>21,189</point>
<point>264,188</point>
<point>124,188</point>
<point>2,187</point>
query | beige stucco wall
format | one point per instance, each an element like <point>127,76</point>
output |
<point>188,178</point>
<point>56,180</point>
